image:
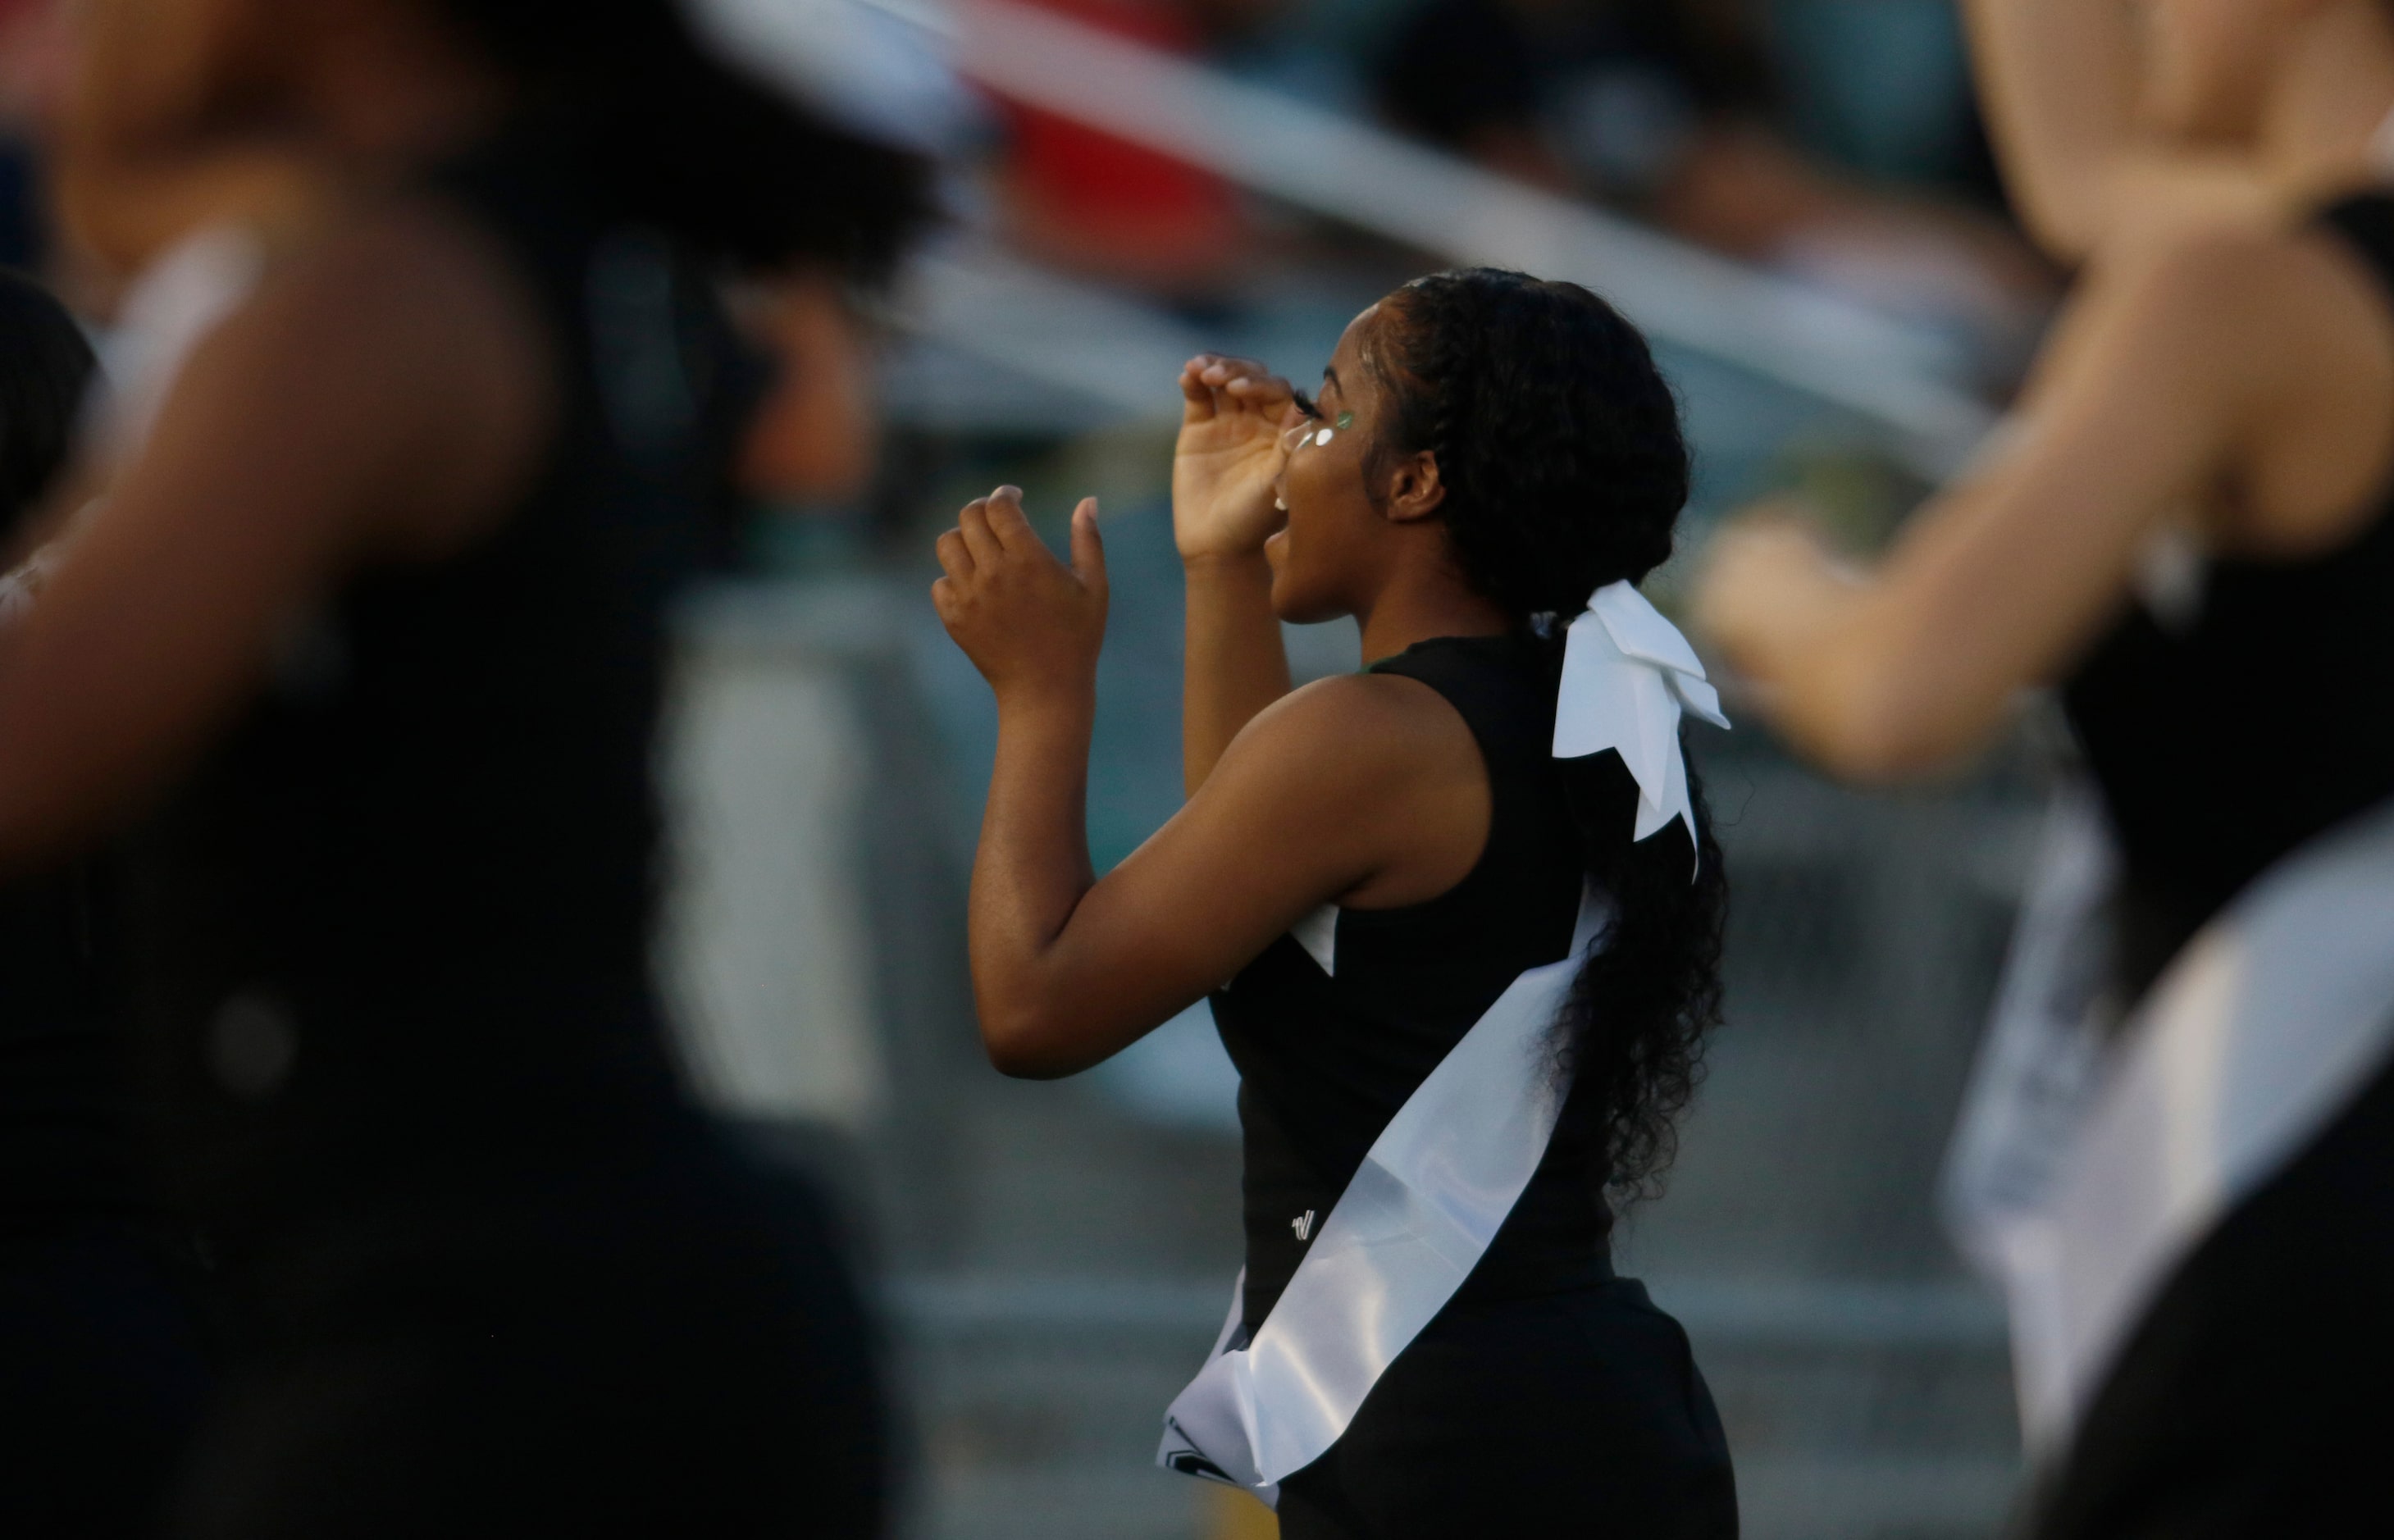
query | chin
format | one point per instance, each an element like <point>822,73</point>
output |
<point>1297,604</point>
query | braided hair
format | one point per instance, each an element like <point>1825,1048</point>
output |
<point>1558,444</point>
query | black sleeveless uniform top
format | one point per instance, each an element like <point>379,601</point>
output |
<point>65,1149</point>
<point>1326,1059</point>
<point>391,938</point>
<point>2223,745</point>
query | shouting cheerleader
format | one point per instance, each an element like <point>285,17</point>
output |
<point>1458,915</point>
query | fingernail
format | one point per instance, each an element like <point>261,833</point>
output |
<point>1012,492</point>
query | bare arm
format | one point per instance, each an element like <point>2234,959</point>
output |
<point>2161,385</point>
<point>135,161</point>
<point>1233,415</point>
<point>374,404</point>
<point>2060,80</point>
<point>1357,787</point>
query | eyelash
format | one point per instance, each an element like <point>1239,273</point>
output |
<point>1305,404</point>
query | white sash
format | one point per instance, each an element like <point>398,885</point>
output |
<point>2087,1166</point>
<point>1409,1229</point>
<point>1420,1211</point>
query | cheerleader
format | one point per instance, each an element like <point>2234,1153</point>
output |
<point>1458,915</point>
<point>363,656</point>
<point>2178,1161</point>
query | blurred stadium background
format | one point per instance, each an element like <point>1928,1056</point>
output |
<point>1794,197</point>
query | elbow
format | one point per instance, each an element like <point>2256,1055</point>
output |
<point>2063,217</point>
<point>2064,233</point>
<point>1021,1045</point>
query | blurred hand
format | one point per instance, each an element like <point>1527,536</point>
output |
<point>1234,415</point>
<point>1026,621</point>
<point>1764,578</point>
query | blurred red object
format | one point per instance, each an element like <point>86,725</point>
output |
<point>32,60</point>
<point>1085,199</point>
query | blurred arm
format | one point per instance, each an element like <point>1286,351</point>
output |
<point>2059,81</point>
<point>374,404</point>
<point>135,161</point>
<point>2157,385</point>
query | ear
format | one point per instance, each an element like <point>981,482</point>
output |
<point>1414,489</point>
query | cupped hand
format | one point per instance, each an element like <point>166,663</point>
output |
<point>1764,579</point>
<point>1027,621</point>
<point>1234,415</point>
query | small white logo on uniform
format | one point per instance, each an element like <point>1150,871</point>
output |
<point>1302,1226</point>
<point>252,1043</point>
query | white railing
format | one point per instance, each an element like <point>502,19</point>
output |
<point>1894,374</point>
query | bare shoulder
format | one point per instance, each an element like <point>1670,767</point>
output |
<point>1357,734</point>
<point>402,348</point>
<point>402,279</point>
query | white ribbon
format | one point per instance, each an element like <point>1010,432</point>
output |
<point>1627,674</point>
<point>1411,1224</point>
<point>2085,1168</point>
<point>1421,1210</point>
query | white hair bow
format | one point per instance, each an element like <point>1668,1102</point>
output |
<point>1627,674</point>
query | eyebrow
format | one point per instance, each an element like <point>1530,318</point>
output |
<point>1330,380</point>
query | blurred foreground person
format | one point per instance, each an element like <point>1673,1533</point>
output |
<point>1467,903</point>
<point>2178,1156</point>
<point>102,1373</point>
<point>368,639</point>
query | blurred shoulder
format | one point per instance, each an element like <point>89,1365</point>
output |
<point>401,280</point>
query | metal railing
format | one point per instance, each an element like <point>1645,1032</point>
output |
<point>1897,376</point>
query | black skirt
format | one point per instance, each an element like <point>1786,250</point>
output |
<point>1578,1414</point>
<point>2256,1400</point>
<point>674,1350</point>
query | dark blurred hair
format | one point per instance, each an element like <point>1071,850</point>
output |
<point>700,147</point>
<point>44,366</point>
<point>1558,444</point>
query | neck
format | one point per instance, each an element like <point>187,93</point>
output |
<point>2329,99</point>
<point>1417,605</point>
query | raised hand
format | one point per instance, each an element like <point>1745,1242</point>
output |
<point>1234,416</point>
<point>1027,622</point>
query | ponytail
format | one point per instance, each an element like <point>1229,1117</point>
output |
<point>1631,1036</point>
<point>1560,446</point>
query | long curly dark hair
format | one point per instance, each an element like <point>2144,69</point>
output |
<point>1558,444</point>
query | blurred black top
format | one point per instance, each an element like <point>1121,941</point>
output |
<point>2259,720</point>
<point>1326,1059</point>
<point>65,1152</point>
<point>391,939</point>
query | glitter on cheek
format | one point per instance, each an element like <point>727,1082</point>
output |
<point>1346,419</point>
<point>1322,437</point>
